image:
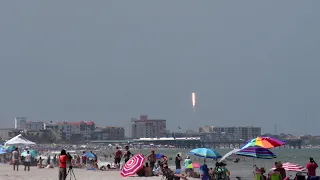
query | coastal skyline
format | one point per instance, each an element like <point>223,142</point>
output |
<point>250,64</point>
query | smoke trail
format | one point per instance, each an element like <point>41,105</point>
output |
<point>193,98</point>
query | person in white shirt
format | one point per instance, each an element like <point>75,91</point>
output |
<point>27,161</point>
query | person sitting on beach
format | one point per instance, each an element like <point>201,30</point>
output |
<point>278,170</point>
<point>39,165</point>
<point>147,170</point>
<point>141,172</point>
<point>49,166</point>
<point>170,175</point>
<point>164,160</point>
<point>152,158</point>
<point>157,168</point>
<point>262,172</point>
<point>107,168</point>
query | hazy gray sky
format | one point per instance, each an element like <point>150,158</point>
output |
<point>249,62</point>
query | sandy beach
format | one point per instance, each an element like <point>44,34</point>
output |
<point>7,173</point>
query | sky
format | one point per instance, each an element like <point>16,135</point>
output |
<point>250,63</point>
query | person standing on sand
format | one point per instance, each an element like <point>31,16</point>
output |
<point>15,159</point>
<point>127,154</point>
<point>27,161</point>
<point>117,157</point>
<point>152,159</point>
<point>311,167</point>
<point>63,159</point>
<point>178,161</point>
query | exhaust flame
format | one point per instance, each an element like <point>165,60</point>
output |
<point>193,98</point>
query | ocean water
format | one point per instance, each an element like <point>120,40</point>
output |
<point>244,168</point>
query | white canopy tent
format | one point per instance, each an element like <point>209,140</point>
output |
<point>19,140</point>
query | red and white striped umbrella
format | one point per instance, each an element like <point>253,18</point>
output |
<point>292,167</point>
<point>133,165</point>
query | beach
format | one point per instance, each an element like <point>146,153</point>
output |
<point>243,169</point>
<point>7,173</point>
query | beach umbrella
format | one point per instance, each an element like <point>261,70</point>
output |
<point>265,142</point>
<point>159,156</point>
<point>9,148</point>
<point>256,152</point>
<point>133,165</point>
<point>292,167</point>
<point>33,153</point>
<point>193,165</point>
<point>3,150</point>
<point>89,155</point>
<point>205,153</point>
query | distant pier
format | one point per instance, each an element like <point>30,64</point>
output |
<point>193,142</point>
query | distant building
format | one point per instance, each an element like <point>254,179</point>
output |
<point>148,128</point>
<point>72,130</point>
<point>230,133</point>
<point>205,129</point>
<point>8,133</point>
<point>108,133</point>
<point>187,133</point>
<point>20,122</point>
<point>35,126</point>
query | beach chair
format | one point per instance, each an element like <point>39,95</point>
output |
<point>275,176</point>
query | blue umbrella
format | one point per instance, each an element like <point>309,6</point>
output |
<point>205,153</point>
<point>159,156</point>
<point>89,155</point>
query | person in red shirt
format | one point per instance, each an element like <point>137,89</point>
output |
<point>84,158</point>
<point>311,167</point>
<point>63,159</point>
<point>117,157</point>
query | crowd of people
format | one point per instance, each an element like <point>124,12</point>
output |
<point>155,165</point>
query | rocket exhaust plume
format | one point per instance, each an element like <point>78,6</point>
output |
<point>193,98</point>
